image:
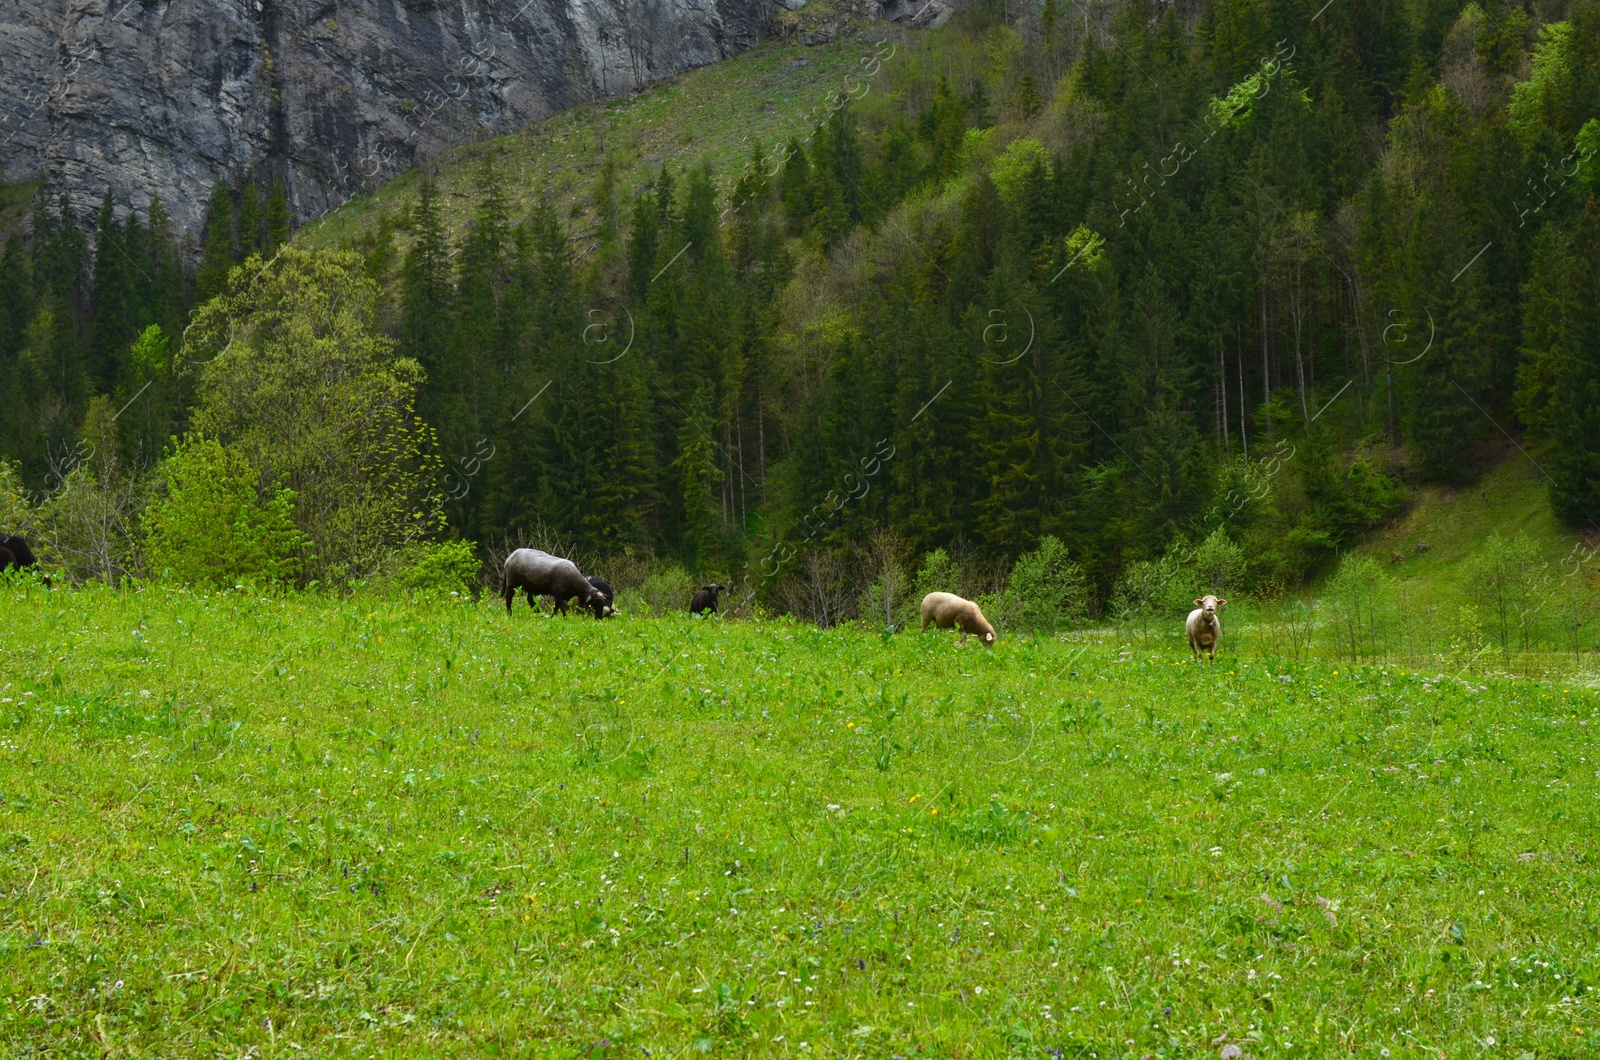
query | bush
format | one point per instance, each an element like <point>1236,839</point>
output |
<point>885,599</point>
<point>1136,592</point>
<point>1156,590</point>
<point>1046,591</point>
<point>1219,565</point>
<point>440,567</point>
<point>1360,599</point>
<point>87,524</point>
<point>669,589</point>
<point>938,574</point>
<point>1509,579</point>
<point>16,514</point>
<point>1466,635</point>
<point>214,527</point>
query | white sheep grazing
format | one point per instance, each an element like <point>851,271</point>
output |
<point>949,611</point>
<point>1204,627</point>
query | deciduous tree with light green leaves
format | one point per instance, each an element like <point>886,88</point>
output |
<point>214,526</point>
<point>297,377</point>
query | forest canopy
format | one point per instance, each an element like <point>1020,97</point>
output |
<point>1108,286</point>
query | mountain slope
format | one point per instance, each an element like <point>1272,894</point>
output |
<point>166,99</point>
<point>715,114</point>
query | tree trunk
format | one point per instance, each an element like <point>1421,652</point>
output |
<point>1244,439</point>
<point>761,443</point>
<point>1222,389</point>
<point>1266,360</point>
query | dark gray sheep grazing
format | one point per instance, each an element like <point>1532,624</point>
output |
<point>541,574</point>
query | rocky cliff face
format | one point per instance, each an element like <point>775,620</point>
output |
<point>165,97</point>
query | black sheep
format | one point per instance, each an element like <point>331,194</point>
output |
<point>16,555</point>
<point>705,599</point>
<point>602,608</point>
<point>608,606</point>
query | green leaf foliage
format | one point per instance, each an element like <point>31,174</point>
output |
<point>213,525</point>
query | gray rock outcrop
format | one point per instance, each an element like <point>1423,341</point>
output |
<point>165,97</point>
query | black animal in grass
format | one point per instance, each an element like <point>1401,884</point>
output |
<point>603,608</point>
<point>705,599</point>
<point>541,574</point>
<point>16,555</point>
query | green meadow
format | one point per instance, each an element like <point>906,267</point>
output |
<point>306,825</point>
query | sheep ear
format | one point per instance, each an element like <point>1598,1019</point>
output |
<point>1199,603</point>
<point>1220,603</point>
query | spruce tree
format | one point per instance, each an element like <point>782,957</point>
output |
<point>250,223</point>
<point>278,223</point>
<point>644,244</point>
<point>15,300</point>
<point>1574,415</point>
<point>797,191</point>
<point>696,467</point>
<point>109,297</point>
<point>426,292</point>
<point>217,253</point>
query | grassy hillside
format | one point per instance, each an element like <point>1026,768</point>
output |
<point>1456,523</point>
<point>715,115</point>
<point>327,826</point>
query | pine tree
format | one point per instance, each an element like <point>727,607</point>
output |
<point>249,224</point>
<point>18,382</point>
<point>644,244</point>
<point>1574,414</point>
<point>110,297</point>
<point>278,222</point>
<point>15,301</point>
<point>55,341</point>
<point>627,492</point>
<point>797,191</point>
<point>426,292</point>
<point>217,253</point>
<point>1027,100</point>
<point>480,277</point>
<point>696,467</point>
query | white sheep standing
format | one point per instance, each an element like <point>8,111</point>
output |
<point>1204,627</point>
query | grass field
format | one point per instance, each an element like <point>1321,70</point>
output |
<point>301,825</point>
